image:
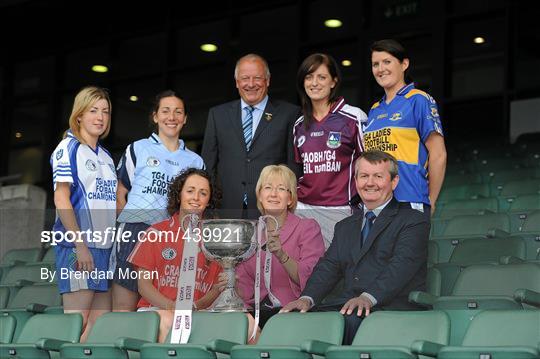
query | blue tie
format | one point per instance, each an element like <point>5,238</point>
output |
<point>247,126</point>
<point>370,217</point>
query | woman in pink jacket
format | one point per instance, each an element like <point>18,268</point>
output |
<point>291,251</point>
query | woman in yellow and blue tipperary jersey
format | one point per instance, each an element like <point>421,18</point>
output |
<point>405,123</point>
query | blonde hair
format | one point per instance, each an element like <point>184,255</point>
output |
<point>83,101</point>
<point>289,179</point>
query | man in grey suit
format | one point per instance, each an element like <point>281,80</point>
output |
<point>380,252</point>
<point>245,135</point>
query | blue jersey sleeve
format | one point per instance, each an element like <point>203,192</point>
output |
<point>63,162</point>
<point>126,166</point>
<point>427,116</point>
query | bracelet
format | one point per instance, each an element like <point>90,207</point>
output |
<point>286,260</point>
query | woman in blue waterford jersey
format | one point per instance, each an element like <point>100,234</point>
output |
<point>144,173</point>
<point>84,182</point>
<point>405,123</point>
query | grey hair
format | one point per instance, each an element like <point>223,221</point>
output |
<point>252,57</point>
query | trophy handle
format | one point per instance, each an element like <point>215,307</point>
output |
<point>266,217</point>
<point>192,218</point>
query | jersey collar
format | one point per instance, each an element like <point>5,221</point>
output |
<point>338,105</point>
<point>157,140</point>
<point>401,92</point>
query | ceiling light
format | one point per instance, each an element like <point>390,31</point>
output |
<point>100,68</point>
<point>133,98</point>
<point>18,135</point>
<point>346,63</point>
<point>333,23</point>
<point>209,47</point>
<point>479,40</point>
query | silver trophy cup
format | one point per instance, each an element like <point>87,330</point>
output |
<point>228,242</point>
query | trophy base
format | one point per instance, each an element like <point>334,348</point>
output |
<point>228,301</point>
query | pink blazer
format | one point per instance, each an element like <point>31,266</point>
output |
<point>301,238</point>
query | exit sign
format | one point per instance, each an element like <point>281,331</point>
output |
<point>401,9</point>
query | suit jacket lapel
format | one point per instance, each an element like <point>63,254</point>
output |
<point>381,222</point>
<point>356,236</point>
<point>235,119</point>
<point>265,120</point>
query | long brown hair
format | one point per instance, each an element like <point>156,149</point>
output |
<point>308,66</point>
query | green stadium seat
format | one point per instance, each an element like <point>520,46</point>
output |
<point>434,281</point>
<point>482,287</point>
<point>468,191</point>
<point>4,297</point>
<point>487,250</point>
<point>494,164</point>
<point>24,255</point>
<point>461,228</point>
<point>501,334</point>
<point>530,232</point>
<point>520,187</point>
<point>478,251</point>
<point>28,300</point>
<point>391,334</point>
<point>295,335</point>
<point>42,336</point>
<point>114,334</point>
<point>50,256</point>
<point>26,273</point>
<point>467,207</point>
<point>497,179</point>
<point>211,333</point>
<point>43,293</point>
<point>458,179</point>
<point>433,253</point>
<point>7,328</point>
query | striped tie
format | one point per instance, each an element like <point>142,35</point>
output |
<point>247,126</point>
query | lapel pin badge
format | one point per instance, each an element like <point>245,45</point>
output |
<point>268,116</point>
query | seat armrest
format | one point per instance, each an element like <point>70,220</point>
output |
<point>315,347</point>
<point>221,346</point>
<point>15,262</point>
<point>497,233</point>
<point>527,296</point>
<point>425,347</point>
<point>50,344</point>
<point>422,298</point>
<point>22,283</point>
<point>130,343</point>
<point>510,260</point>
<point>36,308</point>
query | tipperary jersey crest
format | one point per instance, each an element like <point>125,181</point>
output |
<point>334,139</point>
<point>396,116</point>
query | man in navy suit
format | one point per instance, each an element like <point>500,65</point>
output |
<point>245,135</point>
<point>380,252</point>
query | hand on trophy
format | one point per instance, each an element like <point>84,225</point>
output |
<point>221,284</point>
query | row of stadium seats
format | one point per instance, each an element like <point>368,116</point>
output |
<point>384,334</point>
<point>505,192</point>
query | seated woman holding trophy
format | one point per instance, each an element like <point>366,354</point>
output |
<point>293,246</point>
<point>159,254</point>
